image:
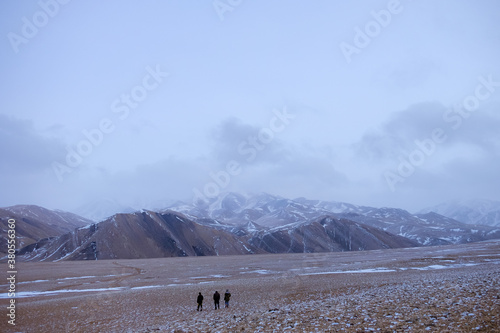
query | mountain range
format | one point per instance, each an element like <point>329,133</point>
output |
<point>234,224</point>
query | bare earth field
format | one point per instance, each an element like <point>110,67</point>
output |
<point>437,289</point>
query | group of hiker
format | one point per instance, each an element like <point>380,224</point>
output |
<point>216,297</point>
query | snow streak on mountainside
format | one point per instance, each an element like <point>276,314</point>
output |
<point>479,211</point>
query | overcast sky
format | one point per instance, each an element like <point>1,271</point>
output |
<point>382,103</point>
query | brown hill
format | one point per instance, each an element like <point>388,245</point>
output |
<point>34,223</point>
<point>328,234</point>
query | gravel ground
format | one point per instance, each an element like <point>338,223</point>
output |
<point>436,289</point>
<point>451,301</point>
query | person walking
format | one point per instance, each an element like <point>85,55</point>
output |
<point>227,296</point>
<point>199,300</point>
<point>216,300</point>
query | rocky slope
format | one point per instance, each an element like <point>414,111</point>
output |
<point>326,234</point>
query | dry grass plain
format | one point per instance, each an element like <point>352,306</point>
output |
<point>427,289</point>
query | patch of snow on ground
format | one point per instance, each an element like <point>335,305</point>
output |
<point>370,270</point>
<point>258,271</point>
<point>442,266</point>
<point>147,287</point>
<point>77,277</point>
<point>24,294</point>
<point>24,282</point>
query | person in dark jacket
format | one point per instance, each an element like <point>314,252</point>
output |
<point>216,300</point>
<point>199,300</point>
<point>227,296</point>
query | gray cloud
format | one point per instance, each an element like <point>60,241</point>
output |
<point>462,165</point>
<point>267,162</point>
<point>481,129</point>
<point>396,136</point>
<point>245,143</point>
<point>25,149</point>
<point>409,74</point>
